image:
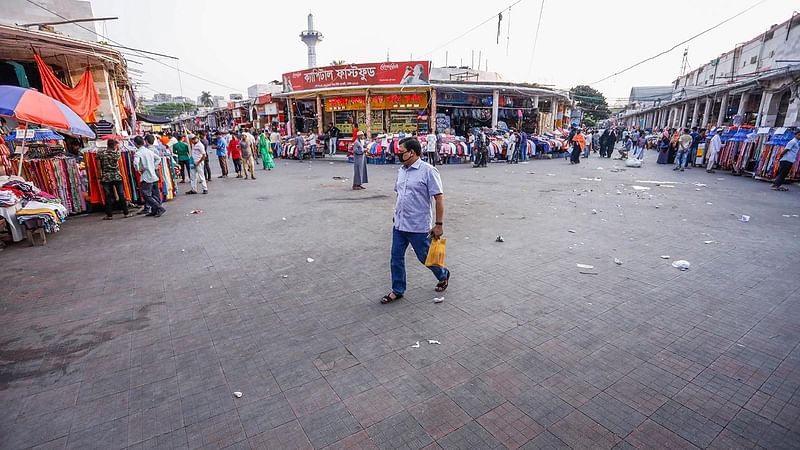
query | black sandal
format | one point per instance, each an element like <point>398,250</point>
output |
<point>390,297</point>
<point>442,285</point>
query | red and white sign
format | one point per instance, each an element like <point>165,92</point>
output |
<point>404,73</point>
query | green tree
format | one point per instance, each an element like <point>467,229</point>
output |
<point>338,62</point>
<point>169,109</point>
<point>592,102</point>
<point>205,99</point>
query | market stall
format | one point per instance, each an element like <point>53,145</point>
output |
<point>52,184</point>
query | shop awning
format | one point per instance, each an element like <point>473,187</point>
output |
<point>153,119</point>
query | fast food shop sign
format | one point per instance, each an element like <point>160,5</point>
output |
<point>411,73</point>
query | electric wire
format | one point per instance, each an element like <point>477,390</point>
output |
<point>680,43</point>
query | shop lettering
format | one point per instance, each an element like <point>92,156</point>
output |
<point>357,74</point>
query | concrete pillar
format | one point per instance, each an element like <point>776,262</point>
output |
<point>433,111</point>
<point>707,112</point>
<point>742,101</point>
<point>290,125</point>
<point>684,115</point>
<point>554,110</point>
<point>368,131</point>
<point>495,107</point>
<point>535,102</point>
<point>722,107</point>
<point>761,107</point>
<point>319,114</point>
<point>695,112</point>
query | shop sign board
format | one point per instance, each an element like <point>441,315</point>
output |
<point>412,73</point>
<point>388,101</point>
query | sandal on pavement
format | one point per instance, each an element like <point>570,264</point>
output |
<point>390,297</point>
<point>441,286</point>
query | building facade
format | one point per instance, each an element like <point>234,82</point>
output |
<point>756,84</point>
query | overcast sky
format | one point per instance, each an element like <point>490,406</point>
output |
<point>238,43</point>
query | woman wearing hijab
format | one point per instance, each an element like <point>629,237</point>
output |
<point>264,147</point>
<point>578,144</point>
<point>359,162</point>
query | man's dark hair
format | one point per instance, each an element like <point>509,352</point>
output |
<point>411,143</point>
<point>112,143</point>
<point>138,140</point>
<point>150,139</point>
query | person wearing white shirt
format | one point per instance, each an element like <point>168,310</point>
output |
<point>199,155</point>
<point>146,162</point>
<point>430,148</point>
<point>713,151</point>
<point>788,156</point>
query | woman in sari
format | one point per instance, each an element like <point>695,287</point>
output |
<point>265,148</point>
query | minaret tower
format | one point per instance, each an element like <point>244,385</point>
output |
<point>311,38</point>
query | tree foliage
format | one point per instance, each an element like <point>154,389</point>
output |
<point>338,62</point>
<point>168,109</point>
<point>591,101</point>
<point>206,99</point>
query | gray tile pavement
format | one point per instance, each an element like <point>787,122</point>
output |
<point>135,333</point>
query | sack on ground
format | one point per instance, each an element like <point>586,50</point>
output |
<point>633,162</point>
<point>436,253</point>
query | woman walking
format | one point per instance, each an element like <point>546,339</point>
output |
<point>359,162</point>
<point>265,148</point>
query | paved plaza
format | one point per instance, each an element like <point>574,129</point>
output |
<point>136,333</point>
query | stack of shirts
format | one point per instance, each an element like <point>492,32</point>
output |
<point>52,214</point>
<point>8,198</point>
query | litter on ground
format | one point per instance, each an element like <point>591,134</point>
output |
<point>438,299</point>
<point>310,260</point>
<point>681,264</point>
<point>744,218</point>
<point>617,261</point>
<point>415,345</point>
<point>237,394</point>
<point>434,342</point>
<point>664,256</point>
<point>640,188</point>
<point>584,266</point>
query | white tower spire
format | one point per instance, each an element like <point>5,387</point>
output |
<point>311,38</point>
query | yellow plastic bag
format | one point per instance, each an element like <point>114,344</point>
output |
<point>436,253</point>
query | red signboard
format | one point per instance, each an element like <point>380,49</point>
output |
<point>405,73</point>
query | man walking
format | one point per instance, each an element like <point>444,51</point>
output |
<point>206,164</point>
<point>430,148</point>
<point>417,184</point>
<point>199,157</point>
<point>222,154</point>
<point>684,145</point>
<point>275,142</point>
<point>112,178</point>
<point>788,158</point>
<point>181,150</point>
<point>146,162</point>
<point>333,139</point>
<point>713,152</point>
<point>300,143</point>
<point>247,159</point>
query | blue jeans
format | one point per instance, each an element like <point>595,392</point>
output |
<point>420,242</point>
<point>680,159</point>
<point>152,196</point>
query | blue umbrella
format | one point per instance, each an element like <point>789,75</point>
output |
<point>40,135</point>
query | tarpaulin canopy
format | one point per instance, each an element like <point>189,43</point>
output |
<point>153,119</point>
<point>83,98</point>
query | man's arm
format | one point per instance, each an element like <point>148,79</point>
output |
<point>438,229</point>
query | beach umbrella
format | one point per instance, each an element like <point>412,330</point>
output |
<point>30,106</point>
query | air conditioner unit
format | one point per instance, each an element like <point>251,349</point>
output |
<point>753,59</point>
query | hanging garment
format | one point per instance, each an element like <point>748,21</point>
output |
<point>83,98</point>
